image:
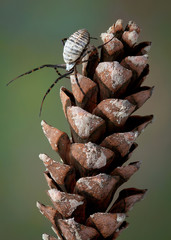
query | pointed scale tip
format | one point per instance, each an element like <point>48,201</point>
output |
<point>38,205</point>
<point>120,217</point>
<point>148,48</point>
<point>45,236</point>
<point>42,156</point>
<point>42,123</point>
<point>138,164</point>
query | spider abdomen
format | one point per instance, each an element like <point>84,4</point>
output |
<point>75,47</point>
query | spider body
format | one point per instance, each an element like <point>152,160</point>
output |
<point>75,46</point>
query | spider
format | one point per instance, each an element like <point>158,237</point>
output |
<point>75,48</point>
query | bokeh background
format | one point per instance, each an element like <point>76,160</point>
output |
<point>31,33</point>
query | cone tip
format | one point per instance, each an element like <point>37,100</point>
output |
<point>120,217</point>
<point>42,156</point>
<point>42,123</point>
<point>119,21</point>
<point>138,164</point>
<point>45,236</point>
<point>38,205</point>
<point>54,194</point>
<point>61,89</point>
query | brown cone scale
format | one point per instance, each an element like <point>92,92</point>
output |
<point>87,101</point>
<point>106,223</point>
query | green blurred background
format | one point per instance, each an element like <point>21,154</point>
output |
<point>31,33</point>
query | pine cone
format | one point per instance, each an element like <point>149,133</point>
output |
<point>103,132</point>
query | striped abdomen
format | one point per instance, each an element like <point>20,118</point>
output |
<point>74,47</point>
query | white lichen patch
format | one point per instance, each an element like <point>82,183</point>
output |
<point>38,205</point>
<point>91,182</point>
<point>49,130</point>
<point>100,179</point>
<point>74,204</point>
<point>45,236</point>
<point>120,217</point>
<point>104,67</point>
<point>103,36</point>
<point>107,109</point>
<point>55,195</point>
<point>84,122</point>
<point>133,37</point>
<point>46,160</point>
<point>73,228</point>
<point>113,45</point>
<point>147,48</point>
<point>119,75</point>
<point>133,26</point>
<point>130,137</point>
<point>44,157</point>
<point>95,156</point>
<point>113,74</point>
<point>85,181</point>
<point>70,201</point>
<point>43,124</point>
<point>106,36</point>
<point>73,79</point>
<point>138,61</point>
<point>50,141</point>
<point>92,216</point>
<point>120,109</point>
<point>119,24</point>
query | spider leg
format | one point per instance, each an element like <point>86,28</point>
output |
<point>85,53</point>
<point>88,60</point>
<point>58,72</point>
<point>64,40</point>
<point>49,89</point>
<point>76,78</point>
<point>38,68</point>
<point>94,38</point>
<point>100,46</point>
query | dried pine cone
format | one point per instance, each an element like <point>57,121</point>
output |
<point>103,132</point>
